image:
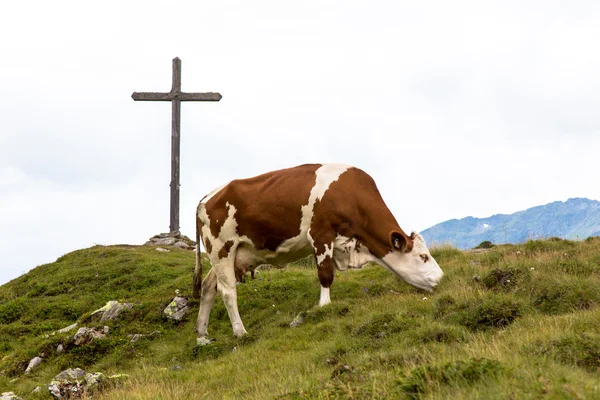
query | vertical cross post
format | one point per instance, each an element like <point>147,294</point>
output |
<point>175,142</point>
<point>175,96</point>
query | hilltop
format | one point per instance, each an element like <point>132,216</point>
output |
<point>574,219</point>
<point>518,321</point>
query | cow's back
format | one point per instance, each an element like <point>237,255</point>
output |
<point>268,207</point>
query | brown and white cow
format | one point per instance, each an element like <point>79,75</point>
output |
<point>330,210</point>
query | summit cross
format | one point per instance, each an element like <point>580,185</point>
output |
<point>175,96</point>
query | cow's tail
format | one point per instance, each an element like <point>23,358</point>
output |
<point>197,283</point>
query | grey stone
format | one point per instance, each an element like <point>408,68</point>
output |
<point>70,374</point>
<point>60,348</point>
<point>160,249</point>
<point>94,380</point>
<point>73,382</point>
<point>9,396</point>
<point>182,245</point>
<point>299,320</point>
<point>38,389</point>
<point>86,335</point>
<point>112,310</point>
<point>68,328</point>
<point>137,336</point>
<point>168,241</point>
<point>203,341</point>
<point>177,309</point>
<point>33,364</point>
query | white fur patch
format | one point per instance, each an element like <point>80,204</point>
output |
<point>349,253</point>
<point>325,299</point>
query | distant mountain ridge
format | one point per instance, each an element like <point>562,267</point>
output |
<point>576,218</point>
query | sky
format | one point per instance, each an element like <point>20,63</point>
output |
<point>463,108</point>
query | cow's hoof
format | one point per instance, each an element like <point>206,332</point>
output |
<point>203,341</point>
<point>241,334</point>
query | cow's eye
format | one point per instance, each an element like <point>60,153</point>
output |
<point>424,257</point>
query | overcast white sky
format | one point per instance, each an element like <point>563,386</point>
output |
<point>455,108</point>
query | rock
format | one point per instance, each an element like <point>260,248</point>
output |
<point>171,239</point>
<point>38,389</point>
<point>54,389</point>
<point>86,335</point>
<point>177,368</point>
<point>73,382</point>
<point>70,374</point>
<point>112,310</point>
<point>33,364</point>
<point>9,396</point>
<point>160,249</point>
<point>105,329</point>
<point>299,320</point>
<point>135,338</point>
<point>168,241</point>
<point>60,348</point>
<point>68,328</point>
<point>138,336</point>
<point>182,245</point>
<point>342,369</point>
<point>203,341</point>
<point>177,309</point>
<point>93,381</point>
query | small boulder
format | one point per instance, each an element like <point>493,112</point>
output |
<point>161,250</point>
<point>177,309</point>
<point>73,382</point>
<point>68,328</point>
<point>93,381</point>
<point>9,396</point>
<point>86,335</point>
<point>168,241</point>
<point>299,320</point>
<point>182,245</point>
<point>60,348</point>
<point>33,364</point>
<point>70,374</point>
<point>111,310</point>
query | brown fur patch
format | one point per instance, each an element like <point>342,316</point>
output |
<point>208,245</point>
<point>353,207</point>
<point>326,272</point>
<point>224,252</point>
<point>259,201</point>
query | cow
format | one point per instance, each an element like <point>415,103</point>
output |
<point>332,211</point>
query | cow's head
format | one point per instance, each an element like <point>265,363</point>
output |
<point>410,259</point>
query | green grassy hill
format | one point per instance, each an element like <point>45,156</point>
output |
<point>515,322</point>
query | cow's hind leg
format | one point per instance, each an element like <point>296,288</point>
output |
<point>207,299</point>
<point>226,287</point>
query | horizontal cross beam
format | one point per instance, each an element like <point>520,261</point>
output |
<point>181,96</point>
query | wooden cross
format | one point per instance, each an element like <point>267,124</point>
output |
<point>175,96</point>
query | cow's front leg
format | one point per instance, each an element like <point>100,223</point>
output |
<point>226,287</point>
<point>207,299</point>
<point>326,272</point>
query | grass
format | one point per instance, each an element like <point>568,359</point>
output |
<point>517,321</point>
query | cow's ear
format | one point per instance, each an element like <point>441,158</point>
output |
<point>401,242</point>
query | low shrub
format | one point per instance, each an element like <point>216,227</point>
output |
<point>458,373</point>
<point>559,297</point>
<point>384,325</point>
<point>504,279</point>
<point>582,350</point>
<point>486,244</point>
<point>479,314</point>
